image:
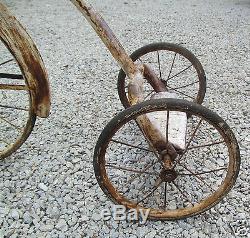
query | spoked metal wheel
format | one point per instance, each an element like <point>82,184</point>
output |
<point>176,66</point>
<point>16,114</point>
<point>130,171</point>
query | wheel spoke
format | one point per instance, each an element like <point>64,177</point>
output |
<point>157,185</point>
<point>167,127</point>
<point>183,194</point>
<point>13,87</point>
<point>5,120</point>
<point>5,62</point>
<point>148,94</point>
<point>186,85</point>
<point>11,76</point>
<point>205,145</point>
<point>130,169</point>
<point>181,92</point>
<point>133,146</point>
<point>4,141</point>
<point>165,195</point>
<point>17,108</point>
<point>140,60</point>
<point>144,170</point>
<point>159,64</point>
<point>197,176</point>
<point>189,142</point>
<point>204,172</point>
<point>171,67</point>
<point>179,72</point>
<point>150,145</point>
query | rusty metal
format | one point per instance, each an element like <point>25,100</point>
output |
<point>153,80</point>
<point>135,72</point>
<point>17,40</point>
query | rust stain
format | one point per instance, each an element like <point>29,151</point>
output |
<point>17,40</point>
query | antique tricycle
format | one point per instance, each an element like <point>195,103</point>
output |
<point>164,152</point>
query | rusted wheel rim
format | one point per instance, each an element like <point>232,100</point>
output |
<point>214,187</point>
<point>175,65</point>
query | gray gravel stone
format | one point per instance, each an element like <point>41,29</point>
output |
<point>43,187</point>
<point>27,218</point>
<point>151,234</point>
<point>62,225</point>
<point>15,214</point>
<point>46,228</point>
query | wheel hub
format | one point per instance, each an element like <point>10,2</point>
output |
<point>168,175</point>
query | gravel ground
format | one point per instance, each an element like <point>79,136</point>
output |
<point>48,188</point>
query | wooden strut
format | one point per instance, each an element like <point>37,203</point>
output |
<point>137,73</point>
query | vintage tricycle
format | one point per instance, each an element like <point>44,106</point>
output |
<point>164,152</point>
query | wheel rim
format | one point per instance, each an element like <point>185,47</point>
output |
<point>176,66</point>
<point>210,183</point>
<point>16,114</point>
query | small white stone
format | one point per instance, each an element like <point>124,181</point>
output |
<point>43,187</point>
<point>15,214</point>
<point>62,225</point>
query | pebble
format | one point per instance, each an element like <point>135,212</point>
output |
<point>27,218</point>
<point>15,214</point>
<point>62,225</point>
<point>151,234</point>
<point>43,187</point>
<point>46,228</point>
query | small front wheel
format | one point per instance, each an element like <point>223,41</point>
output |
<point>130,173</point>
